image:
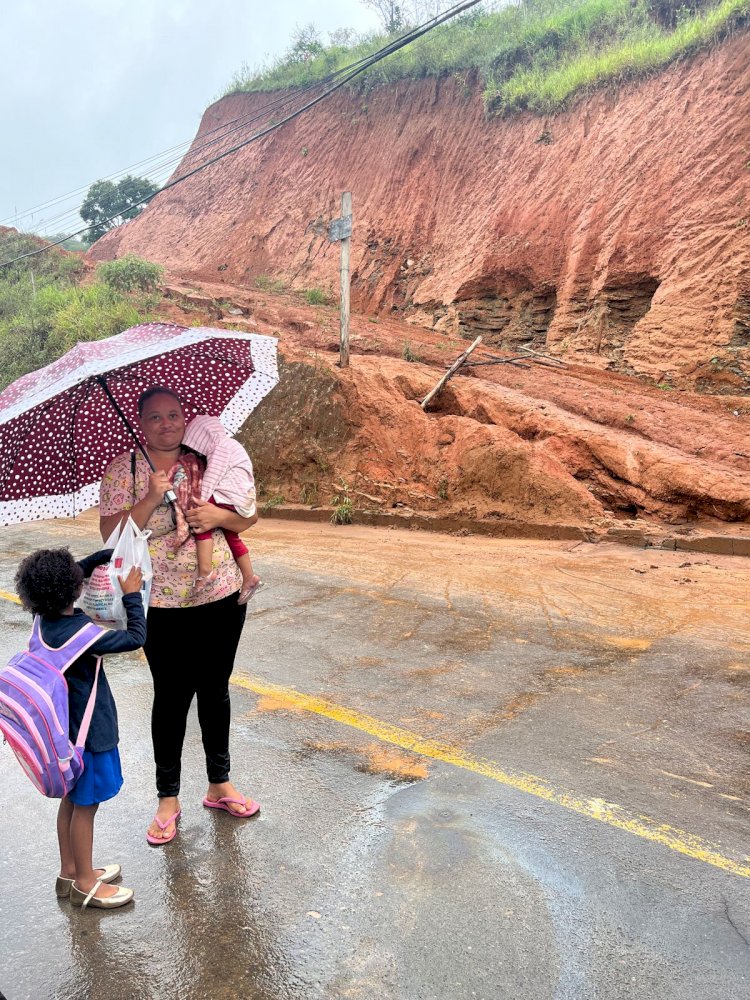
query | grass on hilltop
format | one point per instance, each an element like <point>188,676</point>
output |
<point>538,55</point>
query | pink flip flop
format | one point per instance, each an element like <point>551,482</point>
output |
<point>252,808</point>
<point>159,841</point>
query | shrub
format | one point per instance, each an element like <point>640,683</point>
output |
<point>343,506</point>
<point>408,354</point>
<point>131,274</point>
<point>43,312</point>
<point>316,297</point>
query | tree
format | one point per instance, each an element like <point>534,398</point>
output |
<point>306,44</point>
<point>398,14</point>
<point>390,12</point>
<point>108,205</point>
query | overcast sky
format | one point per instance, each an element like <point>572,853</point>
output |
<point>89,87</point>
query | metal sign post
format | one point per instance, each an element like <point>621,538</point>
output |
<point>340,230</point>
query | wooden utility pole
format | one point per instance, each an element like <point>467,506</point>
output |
<point>346,212</point>
<point>340,230</point>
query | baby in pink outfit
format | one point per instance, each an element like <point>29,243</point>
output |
<point>228,482</point>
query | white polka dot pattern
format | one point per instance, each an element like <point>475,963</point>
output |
<point>58,431</point>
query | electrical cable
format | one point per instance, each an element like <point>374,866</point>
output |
<point>276,104</point>
<point>345,75</point>
<point>271,106</point>
<point>350,71</point>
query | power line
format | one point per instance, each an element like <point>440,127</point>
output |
<point>344,75</point>
<point>273,105</point>
<point>134,166</point>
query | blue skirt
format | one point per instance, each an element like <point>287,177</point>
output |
<point>101,778</point>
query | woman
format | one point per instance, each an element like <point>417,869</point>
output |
<point>192,635</point>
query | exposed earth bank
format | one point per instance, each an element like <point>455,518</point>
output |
<point>616,233</point>
<point>615,237</point>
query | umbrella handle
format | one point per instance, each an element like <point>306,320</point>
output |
<point>116,407</point>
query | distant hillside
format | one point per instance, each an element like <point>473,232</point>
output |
<point>536,55</point>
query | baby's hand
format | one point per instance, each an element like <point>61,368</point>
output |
<point>133,582</point>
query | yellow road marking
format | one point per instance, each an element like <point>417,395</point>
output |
<point>605,812</point>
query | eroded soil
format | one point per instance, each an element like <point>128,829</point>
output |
<point>536,445</point>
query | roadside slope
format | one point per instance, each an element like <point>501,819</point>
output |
<point>617,231</point>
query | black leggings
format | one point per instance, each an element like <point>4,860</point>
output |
<point>191,652</point>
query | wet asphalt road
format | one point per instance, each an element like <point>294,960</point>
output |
<point>374,872</point>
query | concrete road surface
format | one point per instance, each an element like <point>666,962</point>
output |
<point>488,769</point>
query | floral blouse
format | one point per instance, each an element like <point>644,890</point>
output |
<point>174,568</point>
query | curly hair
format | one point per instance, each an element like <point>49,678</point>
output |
<point>48,581</point>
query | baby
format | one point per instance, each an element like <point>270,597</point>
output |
<point>228,482</point>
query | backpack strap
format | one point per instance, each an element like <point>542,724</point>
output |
<point>83,729</point>
<point>62,657</point>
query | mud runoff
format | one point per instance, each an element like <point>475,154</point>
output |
<point>534,451</point>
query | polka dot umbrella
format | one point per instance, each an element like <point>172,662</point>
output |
<point>61,426</point>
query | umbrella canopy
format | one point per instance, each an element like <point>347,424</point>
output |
<point>59,430</point>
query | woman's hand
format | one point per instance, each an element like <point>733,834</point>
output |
<point>204,516</point>
<point>133,582</point>
<point>207,517</point>
<point>158,484</point>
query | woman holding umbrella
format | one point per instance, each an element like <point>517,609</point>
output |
<point>60,427</point>
<point>192,635</point>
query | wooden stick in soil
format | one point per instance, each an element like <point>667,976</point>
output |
<point>523,361</point>
<point>546,357</point>
<point>451,371</point>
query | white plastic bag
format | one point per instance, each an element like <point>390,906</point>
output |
<point>101,598</point>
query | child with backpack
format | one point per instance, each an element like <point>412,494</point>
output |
<point>49,581</point>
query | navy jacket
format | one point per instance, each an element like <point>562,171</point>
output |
<point>103,733</point>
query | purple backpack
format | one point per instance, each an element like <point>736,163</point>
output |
<point>34,710</point>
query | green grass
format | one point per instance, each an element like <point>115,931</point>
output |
<point>316,297</point>
<point>343,506</point>
<point>644,49</point>
<point>45,310</point>
<point>275,501</point>
<point>408,354</point>
<point>266,284</point>
<point>536,56</point>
